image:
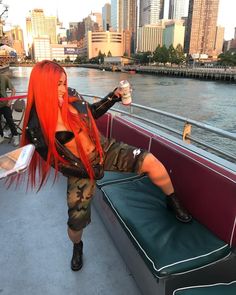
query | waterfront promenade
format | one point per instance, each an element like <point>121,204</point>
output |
<point>221,74</point>
<point>203,73</point>
<point>195,72</point>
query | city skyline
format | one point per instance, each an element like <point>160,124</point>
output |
<point>67,13</point>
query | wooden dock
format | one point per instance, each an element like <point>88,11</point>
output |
<point>194,72</point>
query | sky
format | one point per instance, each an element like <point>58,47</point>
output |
<point>76,10</point>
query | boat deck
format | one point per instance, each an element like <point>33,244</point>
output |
<point>35,250</point>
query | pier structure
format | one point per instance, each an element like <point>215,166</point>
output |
<point>226,74</point>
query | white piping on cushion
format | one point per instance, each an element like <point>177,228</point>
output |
<point>203,286</point>
<point>233,231</point>
<point>145,253</point>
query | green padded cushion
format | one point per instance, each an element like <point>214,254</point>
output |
<point>216,289</point>
<point>113,177</point>
<point>167,245</point>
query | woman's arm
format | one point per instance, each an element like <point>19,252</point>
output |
<point>101,107</point>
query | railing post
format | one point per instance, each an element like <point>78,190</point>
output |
<point>187,132</point>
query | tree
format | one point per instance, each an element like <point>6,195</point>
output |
<point>80,59</point>
<point>161,54</point>
<point>109,53</point>
<point>67,59</point>
<point>228,58</point>
<point>180,54</point>
<point>101,57</point>
<point>172,55</point>
<point>141,57</point>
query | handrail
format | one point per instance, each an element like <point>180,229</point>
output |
<point>194,139</point>
<point>176,117</point>
<point>185,120</point>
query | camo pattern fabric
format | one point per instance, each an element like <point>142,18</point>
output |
<point>79,195</point>
<point>117,157</point>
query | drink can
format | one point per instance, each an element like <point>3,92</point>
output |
<point>126,90</point>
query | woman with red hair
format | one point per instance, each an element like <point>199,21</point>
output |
<point>61,125</point>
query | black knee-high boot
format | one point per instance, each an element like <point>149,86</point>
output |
<point>180,212</point>
<point>77,257</point>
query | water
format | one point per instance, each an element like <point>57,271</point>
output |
<point>210,102</point>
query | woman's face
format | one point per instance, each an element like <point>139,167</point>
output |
<point>61,88</point>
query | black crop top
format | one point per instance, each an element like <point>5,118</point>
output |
<point>64,136</point>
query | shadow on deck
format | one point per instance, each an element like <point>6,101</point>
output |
<point>35,251</point>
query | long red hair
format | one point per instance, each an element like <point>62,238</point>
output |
<point>43,94</point>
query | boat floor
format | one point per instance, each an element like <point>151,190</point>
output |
<point>35,251</point>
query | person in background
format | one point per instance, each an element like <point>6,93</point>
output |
<point>5,110</point>
<point>61,125</point>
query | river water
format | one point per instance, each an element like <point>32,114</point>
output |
<point>210,102</point>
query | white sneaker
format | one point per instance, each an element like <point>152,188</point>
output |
<point>16,140</point>
<point>7,133</point>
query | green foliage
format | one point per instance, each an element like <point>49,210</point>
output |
<point>172,55</point>
<point>67,59</point>
<point>162,55</point>
<point>227,59</point>
<point>142,57</point>
<point>80,59</point>
<point>180,54</point>
<point>98,59</point>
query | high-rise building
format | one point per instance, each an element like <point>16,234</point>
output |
<point>124,19</point>
<point>177,9</point>
<point>174,33</point>
<point>130,23</point>
<point>38,22</point>
<point>16,40</point>
<point>150,11</point>
<point>117,15</point>
<point>51,28</point>
<point>106,17</point>
<point>72,33</point>
<point>104,42</point>
<point>41,48</point>
<point>39,25</point>
<point>98,19</point>
<point>219,40</point>
<point>149,37</point>
<point>201,27</point>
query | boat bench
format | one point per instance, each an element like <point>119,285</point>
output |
<point>162,253</point>
<point>214,289</point>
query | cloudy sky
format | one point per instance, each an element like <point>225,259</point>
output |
<point>76,10</point>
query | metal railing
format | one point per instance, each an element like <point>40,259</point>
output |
<point>212,139</point>
<point>207,137</point>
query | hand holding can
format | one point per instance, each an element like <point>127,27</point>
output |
<point>125,91</point>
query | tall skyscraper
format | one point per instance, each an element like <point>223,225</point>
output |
<point>106,17</point>
<point>130,21</point>
<point>16,40</point>
<point>219,40</point>
<point>117,15</point>
<point>38,25</point>
<point>177,9</point>
<point>38,22</point>
<point>201,27</point>
<point>149,37</point>
<point>124,19</point>
<point>150,11</point>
